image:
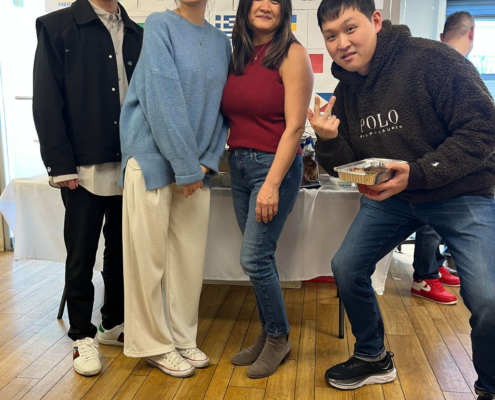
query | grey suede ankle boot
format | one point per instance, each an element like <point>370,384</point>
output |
<point>250,355</point>
<point>275,352</point>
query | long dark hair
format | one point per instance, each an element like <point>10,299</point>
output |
<point>242,39</point>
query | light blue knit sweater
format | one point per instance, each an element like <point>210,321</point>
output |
<point>170,121</point>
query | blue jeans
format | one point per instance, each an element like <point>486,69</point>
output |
<point>427,256</point>
<point>467,225</point>
<point>248,169</point>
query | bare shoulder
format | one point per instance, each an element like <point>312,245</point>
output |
<point>297,59</point>
<point>297,52</point>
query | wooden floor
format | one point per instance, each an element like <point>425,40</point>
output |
<point>431,344</point>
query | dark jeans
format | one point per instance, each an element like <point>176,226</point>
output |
<point>467,225</point>
<point>248,169</point>
<point>427,255</point>
<point>84,213</point>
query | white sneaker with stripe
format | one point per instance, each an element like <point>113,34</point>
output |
<point>111,337</point>
<point>86,357</point>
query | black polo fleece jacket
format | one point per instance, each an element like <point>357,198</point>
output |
<point>423,103</point>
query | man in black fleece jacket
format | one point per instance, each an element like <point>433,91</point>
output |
<point>419,101</point>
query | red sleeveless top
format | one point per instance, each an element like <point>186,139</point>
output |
<point>254,104</point>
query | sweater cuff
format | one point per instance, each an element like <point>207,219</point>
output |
<point>189,179</point>
<point>330,146</point>
<point>187,169</point>
<point>417,178</point>
<point>210,161</point>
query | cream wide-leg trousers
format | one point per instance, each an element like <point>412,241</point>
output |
<point>164,238</point>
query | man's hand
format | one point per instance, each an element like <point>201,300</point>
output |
<point>325,127</point>
<point>395,185</point>
<point>190,189</point>
<point>204,169</point>
<point>71,184</point>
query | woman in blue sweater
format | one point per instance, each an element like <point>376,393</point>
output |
<point>172,137</point>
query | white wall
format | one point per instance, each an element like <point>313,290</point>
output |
<point>425,18</point>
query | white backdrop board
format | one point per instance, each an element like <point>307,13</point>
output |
<point>54,5</point>
<point>222,14</point>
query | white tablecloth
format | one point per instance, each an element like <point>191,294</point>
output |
<point>312,235</point>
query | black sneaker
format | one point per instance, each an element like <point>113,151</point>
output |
<point>355,373</point>
<point>484,395</point>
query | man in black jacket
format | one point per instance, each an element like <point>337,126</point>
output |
<point>85,58</point>
<point>422,102</point>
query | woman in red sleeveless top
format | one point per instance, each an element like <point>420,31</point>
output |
<point>266,100</point>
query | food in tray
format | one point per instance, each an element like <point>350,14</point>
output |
<point>370,171</point>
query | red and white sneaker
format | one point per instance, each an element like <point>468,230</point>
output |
<point>432,289</point>
<point>447,279</point>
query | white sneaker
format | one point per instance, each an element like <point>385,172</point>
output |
<point>111,337</point>
<point>172,364</point>
<point>195,357</point>
<point>86,357</point>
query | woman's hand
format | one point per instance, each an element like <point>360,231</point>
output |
<point>204,169</point>
<point>190,189</point>
<point>267,203</point>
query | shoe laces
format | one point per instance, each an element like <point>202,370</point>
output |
<point>435,284</point>
<point>353,362</point>
<point>87,349</point>
<point>444,272</point>
<point>174,358</point>
<point>192,352</point>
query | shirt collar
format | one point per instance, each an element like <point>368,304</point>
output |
<point>84,13</point>
<point>105,14</point>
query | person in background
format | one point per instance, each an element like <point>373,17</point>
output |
<point>85,58</point>
<point>430,273</point>
<point>172,138</point>
<point>271,72</point>
<point>422,102</point>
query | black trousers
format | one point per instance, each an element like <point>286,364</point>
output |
<point>84,214</point>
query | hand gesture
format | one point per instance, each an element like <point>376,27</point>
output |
<point>326,127</point>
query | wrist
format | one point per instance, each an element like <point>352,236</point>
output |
<point>324,136</point>
<point>269,184</point>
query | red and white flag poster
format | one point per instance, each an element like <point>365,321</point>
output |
<point>321,62</point>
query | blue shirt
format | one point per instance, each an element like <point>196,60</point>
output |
<point>170,121</point>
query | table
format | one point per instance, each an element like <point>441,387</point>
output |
<point>313,233</point>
